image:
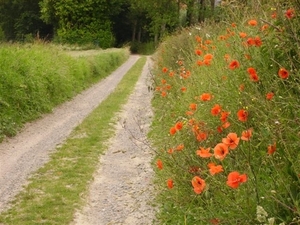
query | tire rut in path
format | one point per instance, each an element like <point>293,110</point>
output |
<point>29,150</point>
<point>122,190</point>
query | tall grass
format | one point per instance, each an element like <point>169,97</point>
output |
<point>35,78</point>
<point>227,119</point>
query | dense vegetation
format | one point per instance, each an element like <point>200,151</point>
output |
<point>104,23</point>
<point>35,78</point>
<point>227,122</point>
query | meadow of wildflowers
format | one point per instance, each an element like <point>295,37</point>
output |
<point>227,120</point>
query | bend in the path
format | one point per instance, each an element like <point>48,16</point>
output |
<point>29,150</point>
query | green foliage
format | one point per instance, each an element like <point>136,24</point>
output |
<point>35,78</point>
<point>81,22</point>
<point>19,18</point>
<point>147,48</point>
<point>270,158</point>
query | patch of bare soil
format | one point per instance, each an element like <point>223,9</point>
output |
<point>29,150</point>
<point>122,191</point>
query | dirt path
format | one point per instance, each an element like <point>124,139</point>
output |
<point>121,191</point>
<point>29,150</point>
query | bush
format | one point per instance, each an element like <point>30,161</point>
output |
<point>147,48</point>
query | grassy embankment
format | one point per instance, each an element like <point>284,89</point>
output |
<point>56,190</point>
<point>36,78</point>
<point>227,119</point>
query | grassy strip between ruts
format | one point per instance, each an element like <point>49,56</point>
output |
<point>55,190</point>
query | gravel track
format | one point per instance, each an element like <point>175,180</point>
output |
<point>121,192</point>
<point>23,154</point>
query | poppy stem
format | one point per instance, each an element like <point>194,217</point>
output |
<point>253,173</point>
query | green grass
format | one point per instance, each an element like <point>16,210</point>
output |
<point>35,78</point>
<point>56,190</point>
<point>273,179</point>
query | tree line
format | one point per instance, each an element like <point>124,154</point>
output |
<point>105,23</point>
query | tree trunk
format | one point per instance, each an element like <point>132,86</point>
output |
<point>189,12</point>
<point>139,34</point>
<point>212,4</point>
<point>134,31</point>
<point>201,11</point>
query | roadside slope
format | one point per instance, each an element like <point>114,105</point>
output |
<point>29,150</point>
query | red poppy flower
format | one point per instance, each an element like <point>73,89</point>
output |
<point>206,97</point>
<point>207,62</point>
<point>264,27</point>
<point>220,151</point>
<point>216,110</point>
<point>224,116</point>
<point>200,63</point>
<point>231,140</point>
<point>208,57</point>
<point>250,41</point>
<point>272,148</point>
<point>183,89</point>
<point>226,57</point>
<point>234,65</point>
<point>204,153</point>
<point>180,147</point>
<point>257,41</point>
<point>198,39</point>
<point>171,74</point>
<point>198,52</point>
<point>251,70</point>
<point>163,94</point>
<point>290,13</point>
<point>193,106</point>
<point>242,87</point>
<point>242,115</point>
<point>179,125</point>
<point>283,73</point>
<point>214,221</point>
<point>247,134</point>
<point>170,150</point>
<point>219,129</point>
<point>226,125</point>
<point>234,179</point>
<point>170,183</point>
<point>214,169</point>
<point>242,34</point>
<point>269,95</point>
<point>165,69</point>
<point>252,22</point>
<point>173,130</point>
<point>159,164</point>
<point>198,184</point>
<point>201,136</point>
<point>254,77</point>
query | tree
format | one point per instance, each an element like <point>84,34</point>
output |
<point>19,18</point>
<point>82,22</point>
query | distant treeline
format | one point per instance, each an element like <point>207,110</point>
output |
<point>105,23</point>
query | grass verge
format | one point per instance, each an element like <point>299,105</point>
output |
<point>36,78</point>
<point>55,190</point>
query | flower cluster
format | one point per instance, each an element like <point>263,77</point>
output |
<point>228,99</point>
